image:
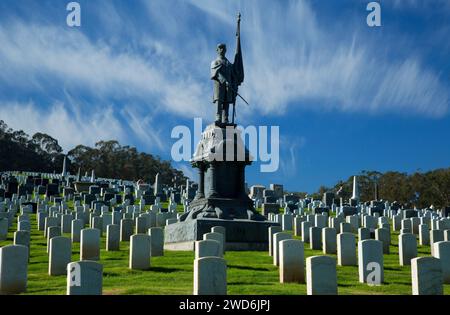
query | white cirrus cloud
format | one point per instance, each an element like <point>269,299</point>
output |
<point>37,56</point>
<point>68,126</point>
<point>292,61</point>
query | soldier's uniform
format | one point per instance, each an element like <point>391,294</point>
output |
<point>223,72</point>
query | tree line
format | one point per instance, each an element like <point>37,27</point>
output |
<point>108,159</point>
<point>421,189</point>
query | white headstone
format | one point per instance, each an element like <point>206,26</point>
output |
<point>218,237</point>
<point>97,223</point>
<point>320,221</point>
<point>370,262</point>
<point>407,224</point>
<point>49,221</point>
<point>22,238</point>
<point>90,244</point>
<point>221,230</point>
<point>407,248</point>
<point>321,276</point>
<point>370,222</point>
<point>329,241</point>
<point>292,266</point>
<point>354,222</point>
<point>112,237</point>
<point>286,222</point>
<point>13,269</point>
<point>363,234</point>
<point>346,249</point>
<point>126,229</point>
<point>305,231</point>
<point>141,225</point>
<point>442,252</point>
<point>41,220</point>
<point>298,225</point>
<point>277,238</point>
<point>207,248</point>
<point>384,236</point>
<point>60,254</point>
<point>435,236</point>
<point>52,231</point>
<point>396,222</point>
<point>424,235</point>
<point>345,227</point>
<point>84,278</point>
<point>24,226</point>
<point>272,231</point>
<point>315,238</point>
<point>140,246</point>
<point>447,235</point>
<point>210,276</point>
<point>415,222</point>
<point>426,274</point>
<point>157,241</point>
<point>66,224</point>
<point>76,227</point>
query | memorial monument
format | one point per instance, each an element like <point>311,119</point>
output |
<point>221,158</point>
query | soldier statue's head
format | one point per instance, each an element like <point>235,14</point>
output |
<point>221,50</point>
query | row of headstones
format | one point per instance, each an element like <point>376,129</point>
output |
<point>312,234</point>
<point>428,273</point>
<point>66,198</point>
<point>66,221</point>
<point>14,258</point>
<point>85,276</point>
<point>440,229</point>
<point>209,265</point>
<point>156,207</point>
<point>369,221</point>
<point>341,222</point>
<point>60,216</point>
<point>143,221</point>
<point>59,248</point>
<point>7,218</point>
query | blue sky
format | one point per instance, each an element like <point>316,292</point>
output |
<point>346,97</point>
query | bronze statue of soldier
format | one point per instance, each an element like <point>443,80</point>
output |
<point>227,78</point>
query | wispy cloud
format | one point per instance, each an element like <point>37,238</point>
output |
<point>159,58</point>
<point>308,66</point>
<point>291,147</point>
<point>64,123</point>
<point>53,53</point>
<point>142,127</point>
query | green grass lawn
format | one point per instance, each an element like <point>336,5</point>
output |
<point>248,272</point>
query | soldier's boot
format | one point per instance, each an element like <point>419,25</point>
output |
<point>225,114</point>
<point>218,113</point>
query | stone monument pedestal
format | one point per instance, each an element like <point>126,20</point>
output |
<point>221,200</point>
<point>241,235</point>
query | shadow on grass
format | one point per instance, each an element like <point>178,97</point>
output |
<point>392,268</point>
<point>246,283</point>
<point>43,291</point>
<point>248,268</point>
<point>34,262</point>
<point>115,258</point>
<point>345,285</point>
<point>165,270</point>
<point>111,274</point>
